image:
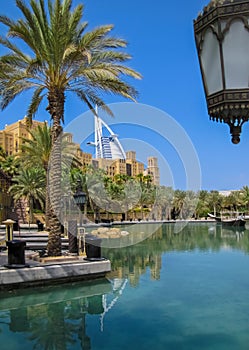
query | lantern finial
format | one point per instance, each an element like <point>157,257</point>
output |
<point>235,131</point>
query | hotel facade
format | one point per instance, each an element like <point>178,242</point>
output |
<point>109,154</point>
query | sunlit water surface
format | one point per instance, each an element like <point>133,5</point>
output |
<point>175,290</point>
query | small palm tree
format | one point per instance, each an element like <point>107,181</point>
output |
<point>36,151</point>
<point>61,57</point>
<point>178,202</point>
<point>29,185</point>
<point>202,205</point>
<point>214,201</point>
<point>164,199</point>
<point>3,154</point>
<point>245,196</point>
<point>10,165</point>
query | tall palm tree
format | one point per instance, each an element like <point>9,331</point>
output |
<point>61,57</point>
<point>29,185</point>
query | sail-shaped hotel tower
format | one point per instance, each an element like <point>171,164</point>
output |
<point>106,147</point>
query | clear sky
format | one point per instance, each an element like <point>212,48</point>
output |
<point>161,41</point>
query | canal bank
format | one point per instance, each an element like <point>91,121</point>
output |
<point>46,271</point>
<point>40,272</point>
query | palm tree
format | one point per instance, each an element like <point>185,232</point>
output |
<point>125,193</point>
<point>164,198</point>
<point>202,206</point>
<point>29,185</point>
<point>61,57</point>
<point>96,191</point>
<point>148,179</point>
<point>10,165</point>
<point>178,202</point>
<point>3,154</point>
<point>215,201</point>
<point>189,206</point>
<point>36,151</point>
<point>245,196</point>
<point>235,200</point>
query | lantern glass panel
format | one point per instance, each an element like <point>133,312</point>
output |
<point>80,198</point>
<point>236,52</point>
<point>211,64</point>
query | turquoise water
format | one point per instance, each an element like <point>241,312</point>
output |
<point>185,290</point>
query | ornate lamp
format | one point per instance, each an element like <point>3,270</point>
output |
<point>80,200</point>
<point>222,41</point>
<point>79,196</point>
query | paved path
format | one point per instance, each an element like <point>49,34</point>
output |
<point>28,258</point>
<point>47,270</point>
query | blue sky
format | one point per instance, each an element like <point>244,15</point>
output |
<point>161,41</point>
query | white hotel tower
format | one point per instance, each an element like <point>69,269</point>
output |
<point>106,147</point>
<point>110,154</point>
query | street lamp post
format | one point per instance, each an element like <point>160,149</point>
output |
<point>222,42</point>
<point>80,199</point>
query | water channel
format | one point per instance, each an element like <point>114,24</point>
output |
<point>177,289</point>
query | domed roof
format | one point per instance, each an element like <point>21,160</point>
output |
<point>216,3</point>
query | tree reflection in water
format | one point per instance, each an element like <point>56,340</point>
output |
<point>133,261</point>
<point>56,317</point>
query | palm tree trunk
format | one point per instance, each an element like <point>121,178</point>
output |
<point>31,211</point>
<point>56,109</point>
<point>54,239</point>
<point>47,203</point>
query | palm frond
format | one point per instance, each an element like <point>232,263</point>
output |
<point>11,46</point>
<point>6,21</point>
<point>110,43</point>
<point>109,57</point>
<point>41,19</point>
<point>92,38</point>
<point>8,94</point>
<point>92,99</point>
<point>35,102</point>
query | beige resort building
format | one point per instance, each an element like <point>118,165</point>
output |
<point>11,140</point>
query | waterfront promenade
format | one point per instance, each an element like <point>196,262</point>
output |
<point>47,272</point>
<point>40,271</point>
<point>44,270</point>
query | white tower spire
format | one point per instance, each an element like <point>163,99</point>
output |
<point>107,147</point>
